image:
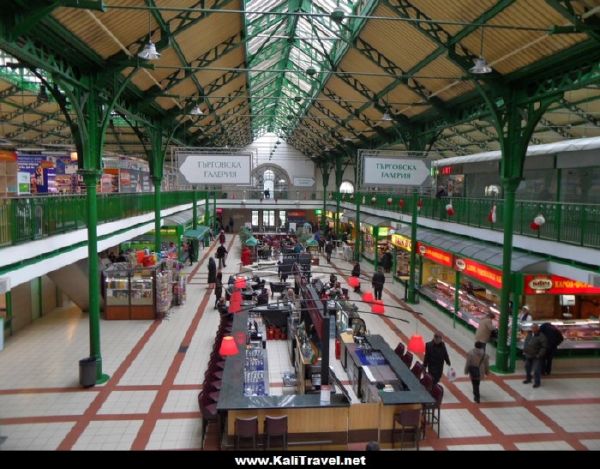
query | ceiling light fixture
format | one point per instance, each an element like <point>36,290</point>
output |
<point>386,117</point>
<point>338,13</point>
<point>197,111</point>
<point>149,51</point>
<point>481,66</point>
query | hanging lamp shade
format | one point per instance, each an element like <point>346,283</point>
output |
<point>416,344</point>
<point>228,347</point>
<point>240,282</point>
<point>368,297</point>
<point>378,307</point>
<point>149,52</point>
<point>353,282</point>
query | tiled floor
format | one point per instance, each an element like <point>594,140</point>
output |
<point>157,369</point>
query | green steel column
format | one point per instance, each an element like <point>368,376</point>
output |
<point>207,209</point>
<point>337,214</point>
<point>512,364</point>
<point>157,180</point>
<point>411,297</point>
<point>510,189</point>
<point>9,312</point>
<point>376,247</point>
<point>357,228</point>
<point>456,296</point>
<point>90,178</point>
<point>325,174</point>
<point>394,263</point>
<point>194,208</point>
<point>214,214</point>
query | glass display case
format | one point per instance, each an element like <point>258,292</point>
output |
<point>136,293</point>
<point>577,333</point>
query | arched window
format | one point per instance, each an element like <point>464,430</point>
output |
<point>346,187</point>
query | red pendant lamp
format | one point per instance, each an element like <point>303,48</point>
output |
<point>228,347</point>
<point>378,307</point>
<point>368,297</point>
<point>240,282</point>
<point>353,282</point>
<point>416,344</point>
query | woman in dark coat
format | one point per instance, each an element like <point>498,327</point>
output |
<point>212,272</point>
<point>218,287</point>
<point>386,261</point>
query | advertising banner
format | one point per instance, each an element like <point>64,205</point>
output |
<point>557,285</point>
<point>392,171</point>
<point>483,273</point>
<point>437,255</point>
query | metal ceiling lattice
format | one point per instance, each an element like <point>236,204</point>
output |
<point>320,74</point>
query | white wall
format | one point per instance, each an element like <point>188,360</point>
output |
<point>284,156</point>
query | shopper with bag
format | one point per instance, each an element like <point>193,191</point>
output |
<point>477,366</point>
<point>435,356</point>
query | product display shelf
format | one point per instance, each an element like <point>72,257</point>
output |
<point>578,333</point>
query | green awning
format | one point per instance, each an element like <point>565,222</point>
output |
<point>183,218</point>
<point>312,242</point>
<point>198,233</point>
<point>251,241</point>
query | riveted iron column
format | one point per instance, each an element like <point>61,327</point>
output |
<point>456,296</point>
<point>194,208</point>
<point>157,176</point>
<point>411,297</point>
<point>357,229</point>
<point>207,210</point>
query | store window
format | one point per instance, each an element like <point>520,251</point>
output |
<point>580,185</point>
<point>254,217</point>
<point>282,218</point>
<point>268,219</point>
<point>347,187</point>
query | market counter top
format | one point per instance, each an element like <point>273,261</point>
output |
<point>383,365</point>
<point>232,392</point>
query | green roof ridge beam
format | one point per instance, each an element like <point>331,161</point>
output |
<point>363,8</point>
<point>580,112</point>
<point>557,129</point>
<point>580,24</point>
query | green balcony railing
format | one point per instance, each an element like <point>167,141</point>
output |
<point>29,218</point>
<point>572,223</point>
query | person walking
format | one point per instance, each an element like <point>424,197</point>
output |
<point>221,254</point>
<point>435,356</point>
<point>378,281</point>
<point>212,273</point>
<point>328,251</point>
<point>231,222</point>
<point>218,287</point>
<point>356,273</point>
<point>554,338</point>
<point>222,237</point>
<point>386,261</point>
<point>485,329</point>
<point>477,366</point>
<point>534,350</point>
<point>191,252</point>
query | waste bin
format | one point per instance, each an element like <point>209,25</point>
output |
<point>87,372</point>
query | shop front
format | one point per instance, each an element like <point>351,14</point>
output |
<point>572,306</point>
<point>402,247</point>
<point>376,236</point>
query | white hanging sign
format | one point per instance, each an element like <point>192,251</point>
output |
<point>215,169</point>
<point>304,182</point>
<point>378,171</point>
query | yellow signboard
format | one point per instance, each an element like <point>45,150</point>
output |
<point>401,242</point>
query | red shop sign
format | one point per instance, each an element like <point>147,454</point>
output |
<point>556,285</point>
<point>435,254</point>
<point>483,273</point>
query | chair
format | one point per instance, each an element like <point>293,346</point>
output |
<point>407,359</point>
<point>433,411</point>
<point>246,428</point>
<point>408,421</point>
<point>208,409</point>
<point>427,382</point>
<point>417,369</point>
<point>400,349</point>
<point>276,427</point>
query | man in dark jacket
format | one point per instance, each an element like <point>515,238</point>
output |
<point>435,356</point>
<point>221,254</point>
<point>554,338</point>
<point>534,350</point>
<point>377,281</point>
<point>328,250</point>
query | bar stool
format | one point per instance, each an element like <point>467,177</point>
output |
<point>276,427</point>
<point>408,421</point>
<point>246,428</point>
<point>417,369</point>
<point>407,358</point>
<point>400,349</point>
<point>433,411</point>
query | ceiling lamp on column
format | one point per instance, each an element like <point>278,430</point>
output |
<point>197,111</point>
<point>149,51</point>
<point>338,13</point>
<point>386,117</point>
<point>481,66</point>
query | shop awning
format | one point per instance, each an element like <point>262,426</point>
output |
<point>198,233</point>
<point>183,218</point>
<point>478,251</point>
<point>348,215</point>
<point>374,220</point>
